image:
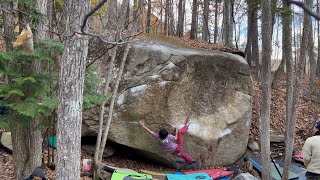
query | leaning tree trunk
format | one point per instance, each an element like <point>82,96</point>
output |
<point>71,85</point>
<point>96,160</point>
<point>287,58</point>
<point>266,88</point>
<point>193,31</point>
<point>205,27</point>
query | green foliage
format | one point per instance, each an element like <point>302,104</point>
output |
<point>91,97</point>
<point>31,94</point>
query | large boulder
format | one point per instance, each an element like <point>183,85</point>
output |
<point>164,84</point>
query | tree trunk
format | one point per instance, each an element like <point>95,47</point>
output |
<point>41,7</point>
<point>97,160</point>
<point>136,16</point>
<point>255,44</point>
<point>181,7</point>
<point>248,50</point>
<point>71,85</point>
<point>26,137</point>
<point>216,7</point>
<point>266,88</point>
<point>205,27</point>
<point>312,60</point>
<point>166,17</point>
<point>280,71</point>
<point>287,58</point>
<point>148,17</point>
<point>171,26</point>
<point>127,17</point>
<point>292,113</point>
<point>193,31</point>
<point>318,58</point>
<point>112,15</point>
<point>9,22</point>
<point>227,23</point>
<point>114,95</point>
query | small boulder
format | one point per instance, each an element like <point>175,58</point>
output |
<point>245,176</point>
<point>254,146</point>
<point>276,138</point>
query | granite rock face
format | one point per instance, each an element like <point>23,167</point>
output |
<point>163,85</point>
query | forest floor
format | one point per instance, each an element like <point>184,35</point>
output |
<point>308,112</point>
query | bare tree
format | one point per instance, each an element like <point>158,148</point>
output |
<point>205,27</point>
<point>312,59</point>
<point>193,31</point>
<point>112,13</point>
<point>148,17</point>
<point>255,43</point>
<point>216,13</point>
<point>166,17</point>
<point>248,50</point>
<point>227,26</point>
<point>136,14</point>
<point>291,114</point>
<point>181,12</point>
<point>266,88</point>
<point>287,58</point>
<point>71,84</point>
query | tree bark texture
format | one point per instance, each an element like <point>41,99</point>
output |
<point>205,27</point>
<point>171,22</point>
<point>216,13</point>
<point>127,16</point>
<point>71,83</point>
<point>26,137</point>
<point>287,58</point>
<point>148,17</point>
<point>166,17</point>
<point>136,15</point>
<point>227,26</point>
<point>108,77</point>
<point>266,88</point>
<point>193,31</point>
<point>181,8</point>
<point>112,15</point>
<point>312,59</point>
<point>10,21</point>
<point>41,8</point>
<point>255,44</point>
<point>318,58</point>
<point>114,94</point>
<point>248,50</point>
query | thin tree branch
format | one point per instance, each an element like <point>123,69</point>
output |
<point>305,8</point>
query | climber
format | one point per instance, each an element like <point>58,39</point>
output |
<point>171,143</point>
